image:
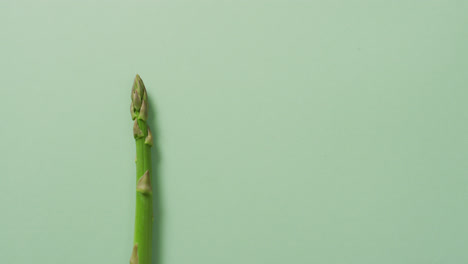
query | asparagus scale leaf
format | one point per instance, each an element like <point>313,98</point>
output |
<point>141,253</point>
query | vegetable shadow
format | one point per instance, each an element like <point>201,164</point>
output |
<point>157,202</point>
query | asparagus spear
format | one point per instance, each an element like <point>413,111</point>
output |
<point>141,253</point>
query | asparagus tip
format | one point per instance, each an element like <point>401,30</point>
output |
<point>138,85</point>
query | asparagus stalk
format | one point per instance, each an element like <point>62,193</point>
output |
<point>141,253</point>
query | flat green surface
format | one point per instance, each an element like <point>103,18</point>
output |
<point>289,131</point>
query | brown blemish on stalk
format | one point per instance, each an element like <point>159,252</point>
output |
<point>134,257</point>
<point>144,184</point>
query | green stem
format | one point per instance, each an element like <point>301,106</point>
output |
<point>144,205</point>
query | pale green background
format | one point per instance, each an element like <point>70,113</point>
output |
<point>289,131</point>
